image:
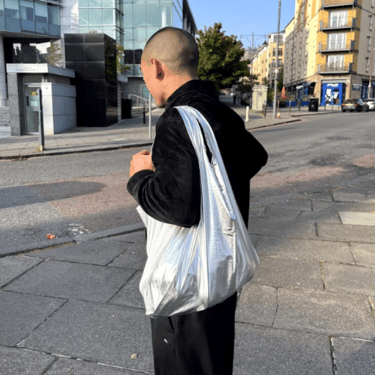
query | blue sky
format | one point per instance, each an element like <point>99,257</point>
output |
<point>242,17</point>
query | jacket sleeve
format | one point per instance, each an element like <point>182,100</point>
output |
<point>172,193</point>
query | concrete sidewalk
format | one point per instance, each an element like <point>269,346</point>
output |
<point>309,310</point>
<point>127,133</point>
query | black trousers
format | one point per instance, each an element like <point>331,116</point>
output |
<point>200,343</point>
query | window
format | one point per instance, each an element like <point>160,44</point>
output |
<point>27,10</point>
<point>1,8</point>
<point>367,64</point>
<point>338,18</point>
<point>370,21</point>
<point>53,14</point>
<point>41,12</point>
<point>335,62</point>
<point>372,3</point>
<point>96,16</point>
<point>84,17</point>
<point>369,44</point>
<point>12,9</point>
<point>336,41</point>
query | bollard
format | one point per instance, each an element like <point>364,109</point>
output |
<point>247,114</point>
<point>332,105</point>
<point>299,106</point>
<point>290,106</point>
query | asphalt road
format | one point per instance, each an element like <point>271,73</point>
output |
<point>80,193</point>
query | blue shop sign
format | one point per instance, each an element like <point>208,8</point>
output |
<point>332,92</point>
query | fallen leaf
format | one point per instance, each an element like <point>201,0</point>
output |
<point>134,356</point>
<point>50,236</point>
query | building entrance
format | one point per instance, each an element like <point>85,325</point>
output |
<point>33,109</point>
<point>333,93</point>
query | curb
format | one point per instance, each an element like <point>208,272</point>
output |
<point>89,237</point>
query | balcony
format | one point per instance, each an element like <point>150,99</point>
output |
<point>349,46</point>
<point>348,25</point>
<point>326,4</point>
<point>335,68</point>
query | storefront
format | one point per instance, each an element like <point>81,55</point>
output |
<point>333,93</point>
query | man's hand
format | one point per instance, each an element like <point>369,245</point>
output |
<point>141,161</point>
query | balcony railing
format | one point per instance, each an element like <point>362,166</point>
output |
<point>340,3</point>
<point>349,24</point>
<point>335,68</point>
<point>337,46</point>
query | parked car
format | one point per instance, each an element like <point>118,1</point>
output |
<point>371,103</point>
<point>354,105</point>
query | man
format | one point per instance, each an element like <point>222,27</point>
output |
<point>166,185</point>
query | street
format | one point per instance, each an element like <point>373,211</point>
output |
<point>86,193</point>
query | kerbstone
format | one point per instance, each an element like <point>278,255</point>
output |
<point>71,366</point>
<point>23,362</point>
<point>100,252</point>
<point>325,313</point>
<point>130,295</point>
<point>134,257</point>
<point>347,233</point>
<point>341,196</point>
<point>282,228</point>
<point>257,305</point>
<point>354,356</point>
<point>267,351</point>
<point>97,332</point>
<point>294,248</point>
<point>364,254</point>
<point>349,278</point>
<point>13,266</point>
<point>71,280</point>
<point>131,237</point>
<point>289,273</point>
<point>20,314</point>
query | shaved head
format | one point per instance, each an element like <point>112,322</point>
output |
<point>175,48</point>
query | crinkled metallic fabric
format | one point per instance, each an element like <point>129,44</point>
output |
<point>191,269</point>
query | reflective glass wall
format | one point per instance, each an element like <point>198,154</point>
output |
<point>30,16</point>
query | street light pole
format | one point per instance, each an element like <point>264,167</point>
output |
<point>371,65</point>
<point>277,62</point>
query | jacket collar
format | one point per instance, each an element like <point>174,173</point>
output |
<point>192,87</point>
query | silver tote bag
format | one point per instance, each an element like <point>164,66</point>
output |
<point>191,269</point>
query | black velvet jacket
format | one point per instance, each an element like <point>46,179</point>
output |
<point>172,193</point>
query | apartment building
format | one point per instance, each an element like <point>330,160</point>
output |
<point>264,63</point>
<point>329,50</point>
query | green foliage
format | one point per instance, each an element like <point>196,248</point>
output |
<point>53,54</point>
<point>270,95</point>
<point>220,57</point>
<point>114,57</point>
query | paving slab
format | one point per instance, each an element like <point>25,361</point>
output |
<point>130,295</point>
<point>99,252</point>
<point>297,204</point>
<point>97,332</point>
<point>354,356</point>
<point>257,212</point>
<point>325,313</point>
<point>138,237</point>
<point>55,278</point>
<point>342,196</point>
<point>257,305</point>
<point>13,266</point>
<point>346,233</point>
<point>295,248</point>
<point>20,314</point>
<point>317,216</point>
<point>282,228</point>
<point>23,362</point>
<point>351,207</point>
<point>320,206</point>
<point>134,257</point>
<point>317,197</point>
<point>358,218</point>
<point>349,278</point>
<point>364,254</point>
<point>71,366</point>
<point>289,273</point>
<point>267,351</point>
<point>276,213</point>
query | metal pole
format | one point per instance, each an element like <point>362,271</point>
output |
<point>144,112</point>
<point>41,124</point>
<point>371,65</point>
<point>277,61</point>
<point>149,115</point>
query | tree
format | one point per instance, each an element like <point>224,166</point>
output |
<point>114,55</point>
<point>53,54</point>
<point>220,57</point>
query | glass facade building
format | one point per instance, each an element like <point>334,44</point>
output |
<point>32,17</point>
<point>131,23</point>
